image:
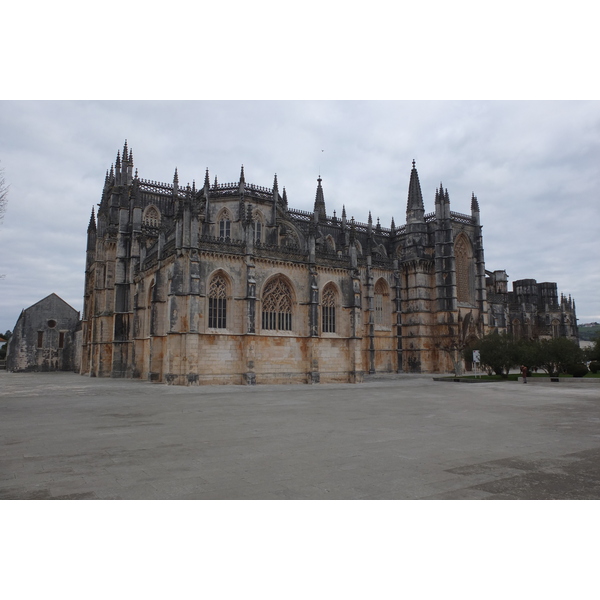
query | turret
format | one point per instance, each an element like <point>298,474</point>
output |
<point>416,229</point>
<point>442,204</point>
<point>127,166</point>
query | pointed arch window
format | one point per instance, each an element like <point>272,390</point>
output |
<point>277,306</point>
<point>149,310</point>
<point>258,227</point>
<point>224,225</point>
<point>517,329</point>
<point>381,304</point>
<point>329,244</point>
<point>464,269</point>
<point>151,217</point>
<point>217,303</point>
<point>328,303</point>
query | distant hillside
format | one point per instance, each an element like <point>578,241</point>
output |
<point>589,333</point>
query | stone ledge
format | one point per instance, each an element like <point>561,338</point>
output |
<point>562,380</point>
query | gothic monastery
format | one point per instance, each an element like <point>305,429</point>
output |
<point>228,284</point>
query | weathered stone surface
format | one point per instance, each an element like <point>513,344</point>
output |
<point>44,337</point>
<point>405,299</point>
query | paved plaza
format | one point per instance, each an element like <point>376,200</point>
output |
<point>65,436</point>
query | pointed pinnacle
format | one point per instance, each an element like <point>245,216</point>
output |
<point>92,223</point>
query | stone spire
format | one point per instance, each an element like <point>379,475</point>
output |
<point>91,235</point>
<point>439,194</point>
<point>320,201</point>
<point>415,211</point>
<point>275,190</point>
<point>242,181</point>
<point>118,169</point>
<point>92,224</point>
<point>285,200</point>
<point>275,200</point>
<point>475,209</point>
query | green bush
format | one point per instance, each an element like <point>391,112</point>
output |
<point>578,370</point>
<point>594,366</point>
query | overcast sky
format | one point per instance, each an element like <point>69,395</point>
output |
<point>533,166</point>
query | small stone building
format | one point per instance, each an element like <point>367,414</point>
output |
<point>44,337</point>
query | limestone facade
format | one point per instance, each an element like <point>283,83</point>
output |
<point>228,284</point>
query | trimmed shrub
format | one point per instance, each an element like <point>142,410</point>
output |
<point>578,370</point>
<point>594,366</point>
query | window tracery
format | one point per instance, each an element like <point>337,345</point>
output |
<point>381,304</point>
<point>328,303</point>
<point>224,225</point>
<point>217,303</point>
<point>464,277</point>
<point>151,217</point>
<point>277,306</point>
<point>258,226</point>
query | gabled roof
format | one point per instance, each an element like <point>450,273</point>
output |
<point>52,298</point>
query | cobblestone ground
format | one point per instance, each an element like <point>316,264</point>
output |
<point>64,436</point>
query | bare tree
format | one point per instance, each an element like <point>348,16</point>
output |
<point>3,194</point>
<point>3,198</point>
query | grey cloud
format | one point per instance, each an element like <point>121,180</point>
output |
<point>532,165</point>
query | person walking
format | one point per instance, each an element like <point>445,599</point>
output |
<point>524,373</point>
